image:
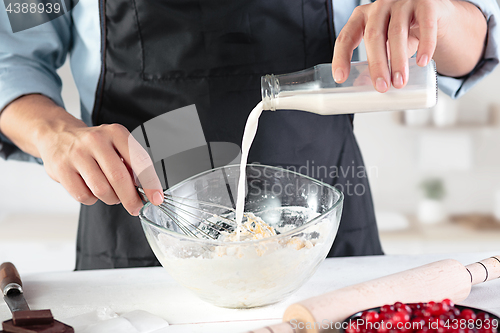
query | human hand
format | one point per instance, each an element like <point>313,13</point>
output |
<point>96,163</point>
<point>395,30</point>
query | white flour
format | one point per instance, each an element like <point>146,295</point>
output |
<point>254,228</point>
<point>246,274</point>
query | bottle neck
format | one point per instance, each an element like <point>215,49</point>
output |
<point>269,90</point>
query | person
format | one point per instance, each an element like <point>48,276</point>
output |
<point>133,61</point>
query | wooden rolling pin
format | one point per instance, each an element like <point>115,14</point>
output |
<point>432,282</point>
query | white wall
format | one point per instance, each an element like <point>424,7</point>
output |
<point>38,218</point>
<point>394,150</point>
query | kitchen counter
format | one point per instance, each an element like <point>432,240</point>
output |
<point>71,295</point>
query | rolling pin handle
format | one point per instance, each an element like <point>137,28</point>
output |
<point>10,280</point>
<point>484,270</point>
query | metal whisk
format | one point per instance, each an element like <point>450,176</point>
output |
<point>194,217</point>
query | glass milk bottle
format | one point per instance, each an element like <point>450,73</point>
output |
<point>315,90</point>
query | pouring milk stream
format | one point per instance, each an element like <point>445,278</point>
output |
<point>315,90</point>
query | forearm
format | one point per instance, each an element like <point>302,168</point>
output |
<point>26,120</point>
<point>460,45</point>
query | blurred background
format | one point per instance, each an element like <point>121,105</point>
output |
<point>434,175</point>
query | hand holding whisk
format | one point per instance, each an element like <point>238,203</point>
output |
<point>195,218</point>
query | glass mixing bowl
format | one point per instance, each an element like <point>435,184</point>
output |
<point>305,212</point>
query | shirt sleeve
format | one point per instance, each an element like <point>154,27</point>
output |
<point>456,87</point>
<point>28,63</point>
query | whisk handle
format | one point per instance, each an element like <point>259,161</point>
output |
<point>142,194</point>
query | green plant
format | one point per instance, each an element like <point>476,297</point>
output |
<point>433,188</point>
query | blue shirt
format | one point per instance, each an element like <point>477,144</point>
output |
<point>29,59</point>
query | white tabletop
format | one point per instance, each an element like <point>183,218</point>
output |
<point>73,294</point>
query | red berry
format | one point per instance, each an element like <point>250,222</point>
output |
<point>442,330</point>
<point>448,302</point>
<point>418,324</point>
<point>482,316</point>
<point>401,316</point>
<point>352,328</point>
<point>417,313</point>
<point>468,314</point>
<point>382,329</point>
<point>371,317</point>
<point>485,330</point>
<point>387,308</point>
<point>407,308</point>
<point>421,321</point>
<point>439,309</point>
<point>445,316</point>
<point>397,305</point>
<point>402,306</point>
<point>424,329</point>
<point>426,313</point>
<point>455,311</point>
<point>450,315</point>
<point>386,316</point>
<point>414,306</point>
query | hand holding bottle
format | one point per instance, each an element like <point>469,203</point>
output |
<point>451,32</point>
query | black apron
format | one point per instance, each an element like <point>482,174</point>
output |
<point>161,55</point>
